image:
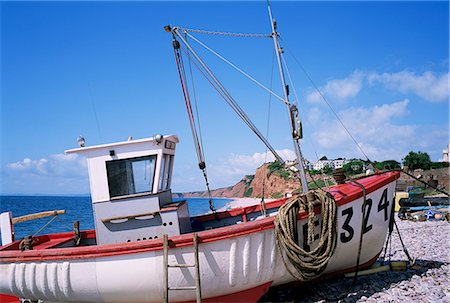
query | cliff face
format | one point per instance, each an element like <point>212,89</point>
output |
<point>275,182</point>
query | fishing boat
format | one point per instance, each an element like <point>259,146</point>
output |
<point>147,248</point>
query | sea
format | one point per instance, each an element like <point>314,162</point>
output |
<point>78,208</point>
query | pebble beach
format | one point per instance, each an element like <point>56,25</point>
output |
<point>427,281</point>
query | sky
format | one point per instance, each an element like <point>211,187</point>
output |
<point>106,70</point>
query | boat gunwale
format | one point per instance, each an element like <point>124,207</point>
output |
<point>344,193</point>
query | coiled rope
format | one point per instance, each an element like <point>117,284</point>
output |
<point>307,264</point>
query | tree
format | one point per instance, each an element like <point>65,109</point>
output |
<point>353,167</point>
<point>390,164</point>
<point>314,172</point>
<point>323,158</point>
<point>436,165</point>
<point>327,169</point>
<point>417,160</point>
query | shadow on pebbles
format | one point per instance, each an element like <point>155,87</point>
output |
<point>428,281</point>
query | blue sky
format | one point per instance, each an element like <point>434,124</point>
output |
<point>105,70</point>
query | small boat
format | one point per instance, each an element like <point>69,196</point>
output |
<point>147,248</point>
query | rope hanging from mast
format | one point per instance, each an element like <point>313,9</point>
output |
<point>197,143</point>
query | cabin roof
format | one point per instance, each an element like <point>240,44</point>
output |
<point>115,144</point>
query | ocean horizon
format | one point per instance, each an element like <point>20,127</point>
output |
<point>77,207</point>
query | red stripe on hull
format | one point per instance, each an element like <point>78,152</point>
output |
<point>8,299</point>
<point>248,295</point>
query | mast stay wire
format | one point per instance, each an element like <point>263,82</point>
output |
<point>195,102</point>
<point>199,149</point>
<point>263,202</point>
<point>328,103</point>
<point>237,68</point>
<point>206,32</point>
<point>230,101</point>
<point>204,169</point>
<point>95,110</point>
<point>182,74</point>
<point>304,120</point>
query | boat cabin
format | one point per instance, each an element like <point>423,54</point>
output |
<point>130,189</point>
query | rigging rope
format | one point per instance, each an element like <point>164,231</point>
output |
<point>237,68</point>
<point>195,101</point>
<point>206,32</point>
<point>361,235</point>
<point>263,203</point>
<point>198,145</point>
<point>307,264</point>
<point>328,103</point>
<point>204,170</point>
<point>238,110</point>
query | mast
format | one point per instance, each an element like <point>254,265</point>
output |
<point>292,109</point>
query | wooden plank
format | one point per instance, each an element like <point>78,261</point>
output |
<point>182,288</point>
<point>182,265</point>
<point>128,217</point>
<point>197,271</point>
<point>166,269</point>
<point>40,215</point>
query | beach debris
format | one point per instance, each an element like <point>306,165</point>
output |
<point>27,243</point>
<point>377,267</point>
<point>398,265</point>
<point>425,214</point>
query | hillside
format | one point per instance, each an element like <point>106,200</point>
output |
<point>276,180</point>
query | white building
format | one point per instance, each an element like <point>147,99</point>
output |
<point>319,165</point>
<point>339,163</point>
<point>445,154</point>
<point>334,164</point>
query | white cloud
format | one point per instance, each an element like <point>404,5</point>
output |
<point>428,86</point>
<point>29,165</point>
<point>313,97</point>
<point>257,159</point>
<point>373,127</point>
<point>56,174</point>
<point>232,169</point>
<point>340,89</point>
<point>58,165</point>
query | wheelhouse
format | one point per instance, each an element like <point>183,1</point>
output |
<point>130,188</point>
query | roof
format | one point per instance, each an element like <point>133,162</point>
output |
<point>115,144</point>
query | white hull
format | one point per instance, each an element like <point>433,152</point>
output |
<point>227,266</point>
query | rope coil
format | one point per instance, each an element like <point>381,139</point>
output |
<point>307,264</point>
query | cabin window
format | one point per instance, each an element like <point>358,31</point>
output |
<point>131,176</point>
<point>166,169</point>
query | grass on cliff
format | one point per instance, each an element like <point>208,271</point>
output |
<point>277,195</point>
<point>277,168</point>
<point>317,184</point>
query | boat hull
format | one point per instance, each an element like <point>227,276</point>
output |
<point>233,259</point>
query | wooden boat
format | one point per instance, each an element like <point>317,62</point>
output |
<point>238,257</point>
<point>146,247</point>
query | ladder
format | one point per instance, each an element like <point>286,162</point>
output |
<point>197,286</point>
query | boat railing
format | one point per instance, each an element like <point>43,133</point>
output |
<point>7,222</point>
